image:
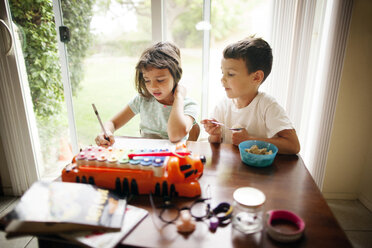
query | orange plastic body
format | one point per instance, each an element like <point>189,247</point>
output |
<point>178,175</point>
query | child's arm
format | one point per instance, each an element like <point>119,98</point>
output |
<point>286,140</point>
<point>214,130</point>
<point>179,124</point>
<point>115,123</point>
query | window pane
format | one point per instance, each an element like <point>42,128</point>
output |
<point>181,19</point>
<point>234,20</point>
<point>37,37</point>
<point>106,42</point>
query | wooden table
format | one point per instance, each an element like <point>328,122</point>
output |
<point>287,184</point>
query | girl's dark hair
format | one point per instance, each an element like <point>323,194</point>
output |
<point>255,52</point>
<point>162,55</point>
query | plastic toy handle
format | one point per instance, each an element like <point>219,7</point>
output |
<point>157,154</point>
<point>10,37</point>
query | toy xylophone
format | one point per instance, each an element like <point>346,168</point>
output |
<point>157,171</point>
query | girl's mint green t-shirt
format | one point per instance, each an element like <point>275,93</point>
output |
<point>154,115</point>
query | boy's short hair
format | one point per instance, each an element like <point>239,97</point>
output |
<point>162,55</point>
<point>256,53</point>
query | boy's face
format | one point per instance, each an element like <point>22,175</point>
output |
<point>159,83</point>
<point>236,80</point>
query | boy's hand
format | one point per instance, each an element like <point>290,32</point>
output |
<point>101,141</point>
<point>211,128</point>
<point>239,136</point>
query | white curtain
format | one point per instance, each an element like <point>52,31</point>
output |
<point>309,40</point>
<point>18,130</point>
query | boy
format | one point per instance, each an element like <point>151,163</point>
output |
<point>245,65</point>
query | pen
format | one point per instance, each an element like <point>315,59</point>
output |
<point>100,122</point>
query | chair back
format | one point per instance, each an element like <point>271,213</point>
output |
<point>194,132</point>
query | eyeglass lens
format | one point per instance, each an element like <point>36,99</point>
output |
<point>199,210</point>
<point>169,214</point>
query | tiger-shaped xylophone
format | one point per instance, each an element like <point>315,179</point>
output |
<point>157,171</point>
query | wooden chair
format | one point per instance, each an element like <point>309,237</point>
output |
<point>194,132</point>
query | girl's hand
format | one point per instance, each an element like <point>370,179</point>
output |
<point>101,141</point>
<point>239,136</point>
<point>180,91</point>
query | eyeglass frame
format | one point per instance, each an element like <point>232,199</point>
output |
<point>222,208</point>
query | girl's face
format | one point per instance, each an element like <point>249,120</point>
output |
<point>159,83</point>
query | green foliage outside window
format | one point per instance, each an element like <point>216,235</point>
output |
<point>181,18</point>
<point>183,26</point>
<point>36,20</point>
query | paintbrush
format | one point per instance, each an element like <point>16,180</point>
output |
<point>100,122</point>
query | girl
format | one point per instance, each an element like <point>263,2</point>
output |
<point>164,109</point>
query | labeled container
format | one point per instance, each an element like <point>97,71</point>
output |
<point>248,210</point>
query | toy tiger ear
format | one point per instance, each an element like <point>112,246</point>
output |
<point>174,173</point>
<point>181,146</point>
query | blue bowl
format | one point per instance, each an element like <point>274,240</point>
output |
<point>257,160</point>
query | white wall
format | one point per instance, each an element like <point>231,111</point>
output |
<point>349,164</point>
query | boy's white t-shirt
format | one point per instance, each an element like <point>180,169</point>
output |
<point>263,117</point>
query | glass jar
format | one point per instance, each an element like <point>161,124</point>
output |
<point>248,210</point>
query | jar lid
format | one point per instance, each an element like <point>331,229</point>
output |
<point>250,197</point>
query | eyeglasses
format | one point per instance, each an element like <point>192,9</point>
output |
<point>200,210</point>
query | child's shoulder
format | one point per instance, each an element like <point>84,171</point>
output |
<point>264,98</point>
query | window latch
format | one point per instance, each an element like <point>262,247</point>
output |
<point>64,33</point>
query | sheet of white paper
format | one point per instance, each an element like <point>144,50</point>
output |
<point>133,216</point>
<point>137,144</point>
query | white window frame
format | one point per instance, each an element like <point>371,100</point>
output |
<point>63,59</point>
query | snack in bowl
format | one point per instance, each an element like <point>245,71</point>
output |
<point>257,160</point>
<point>255,150</point>
<point>236,126</point>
